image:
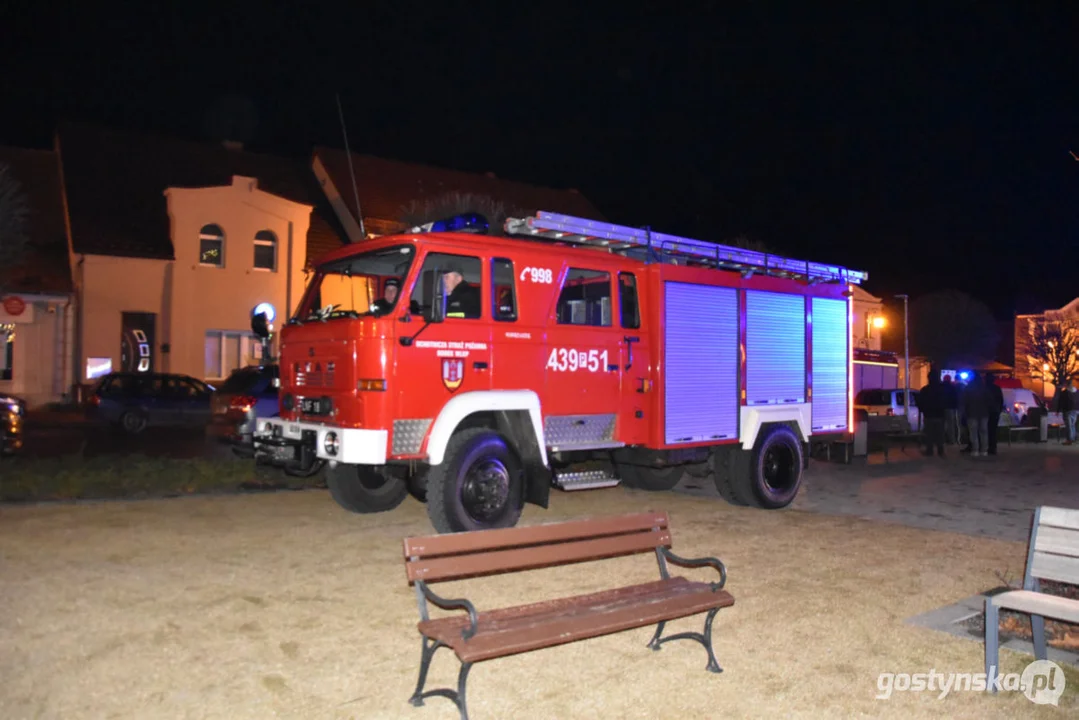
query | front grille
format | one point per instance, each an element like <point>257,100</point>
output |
<point>314,374</point>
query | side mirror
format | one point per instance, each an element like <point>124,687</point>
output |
<point>437,293</point>
<point>260,326</point>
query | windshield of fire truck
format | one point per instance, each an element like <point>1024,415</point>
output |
<point>366,284</point>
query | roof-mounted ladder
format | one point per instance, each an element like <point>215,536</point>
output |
<point>647,245</point>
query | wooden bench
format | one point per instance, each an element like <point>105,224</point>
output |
<point>1053,554</point>
<point>491,634</point>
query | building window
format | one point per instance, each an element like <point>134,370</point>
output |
<point>7,350</point>
<point>226,351</point>
<point>212,246</point>
<point>265,250</point>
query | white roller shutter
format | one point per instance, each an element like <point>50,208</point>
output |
<point>830,364</point>
<point>700,363</point>
<point>775,348</point>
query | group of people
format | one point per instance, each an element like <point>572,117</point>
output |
<point>942,403</point>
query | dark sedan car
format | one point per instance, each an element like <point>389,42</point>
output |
<point>249,392</point>
<point>136,401</point>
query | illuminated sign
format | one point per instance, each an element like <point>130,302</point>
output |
<point>137,342</point>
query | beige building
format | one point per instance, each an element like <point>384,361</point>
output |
<point>869,322</point>
<point>1031,377</point>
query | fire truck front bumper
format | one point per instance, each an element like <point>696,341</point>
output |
<point>299,444</point>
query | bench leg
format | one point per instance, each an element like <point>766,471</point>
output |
<point>429,648</point>
<point>992,648</point>
<point>1037,632</point>
<point>704,638</point>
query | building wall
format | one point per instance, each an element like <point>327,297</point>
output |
<point>110,287</point>
<point>866,307</point>
<point>219,300</point>
<point>41,349</point>
<point>1068,313</point>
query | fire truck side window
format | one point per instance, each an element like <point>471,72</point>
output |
<point>504,294</point>
<point>585,298</point>
<point>461,280</point>
<point>627,300</point>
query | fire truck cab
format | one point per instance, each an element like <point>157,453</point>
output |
<point>478,372</point>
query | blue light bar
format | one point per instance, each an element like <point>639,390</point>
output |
<point>465,222</point>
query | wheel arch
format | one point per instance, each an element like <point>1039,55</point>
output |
<point>515,413</point>
<point>758,420</point>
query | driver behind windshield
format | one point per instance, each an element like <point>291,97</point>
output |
<point>389,297</point>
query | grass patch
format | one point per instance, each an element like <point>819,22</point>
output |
<point>75,477</point>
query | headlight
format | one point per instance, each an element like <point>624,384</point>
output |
<point>331,444</point>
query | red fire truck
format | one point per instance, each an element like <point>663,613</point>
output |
<point>477,372</point>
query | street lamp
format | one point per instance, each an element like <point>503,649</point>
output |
<point>906,359</point>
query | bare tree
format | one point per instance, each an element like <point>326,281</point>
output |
<point>457,203</point>
<point>14,211</point>
<point>1051,346</point>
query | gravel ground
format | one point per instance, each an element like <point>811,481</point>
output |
<point>284,606</point>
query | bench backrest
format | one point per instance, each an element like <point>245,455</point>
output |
<point>1054,547</point>
<point>455,556</point>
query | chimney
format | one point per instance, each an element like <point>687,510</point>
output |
<point>233,145</point>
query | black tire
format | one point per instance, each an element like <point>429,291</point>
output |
<point>365,488</point>
<point>769,477</point>
<point>478,486</point>
<point>650,479</point>
<point>133,422</point>
<point>417,484</point>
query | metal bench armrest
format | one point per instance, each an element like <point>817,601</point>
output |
<point>455,604</point>
<point>698,562</point>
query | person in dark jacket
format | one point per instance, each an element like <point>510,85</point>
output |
<point>931,404</point>
<point>975,406</point>
<point>950,391</point>
<point>995,398</point>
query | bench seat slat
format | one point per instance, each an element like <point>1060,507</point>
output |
<point>1036,603</point>
<point>541,625</point>
<point>1057,540</point>
<point>429,546</point>
<point>1060,517</point>
<point>454,567</point>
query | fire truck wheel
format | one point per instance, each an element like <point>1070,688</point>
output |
<point>775,470</point>
<point>649,478</point>
<point>365,489</point>
<point>477,486</point>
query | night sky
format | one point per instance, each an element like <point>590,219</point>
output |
<point>929,147</point>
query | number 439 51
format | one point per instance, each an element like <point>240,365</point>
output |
<point>569,360</point>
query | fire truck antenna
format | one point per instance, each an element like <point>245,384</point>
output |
<point>348,154</point>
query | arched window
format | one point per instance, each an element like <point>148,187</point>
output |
<point>265,250</point>
<point>212,246</point>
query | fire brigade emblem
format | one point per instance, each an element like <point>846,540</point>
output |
<point>453,373</point>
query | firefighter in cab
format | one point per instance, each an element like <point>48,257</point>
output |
<point>462,299</point>
<point>389,296</point>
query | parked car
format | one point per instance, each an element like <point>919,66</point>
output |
<point>12,416</point>
<point>248,393</point>
<point>136,401</point>
<point>884,406</point>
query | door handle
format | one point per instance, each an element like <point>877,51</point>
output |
<point>479,365</point>
<point>629,340</point>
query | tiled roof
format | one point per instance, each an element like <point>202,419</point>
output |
<point>387,187</point>
<point>45,267</point>
<point>115,184</point>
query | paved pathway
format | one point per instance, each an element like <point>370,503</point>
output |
<point>993,496</point>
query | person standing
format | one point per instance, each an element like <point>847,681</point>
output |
<point>950,395</point>
<point>975,406</point>
<point>931,407</point>
<point>1069,410</point>
<point>995,399</point>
